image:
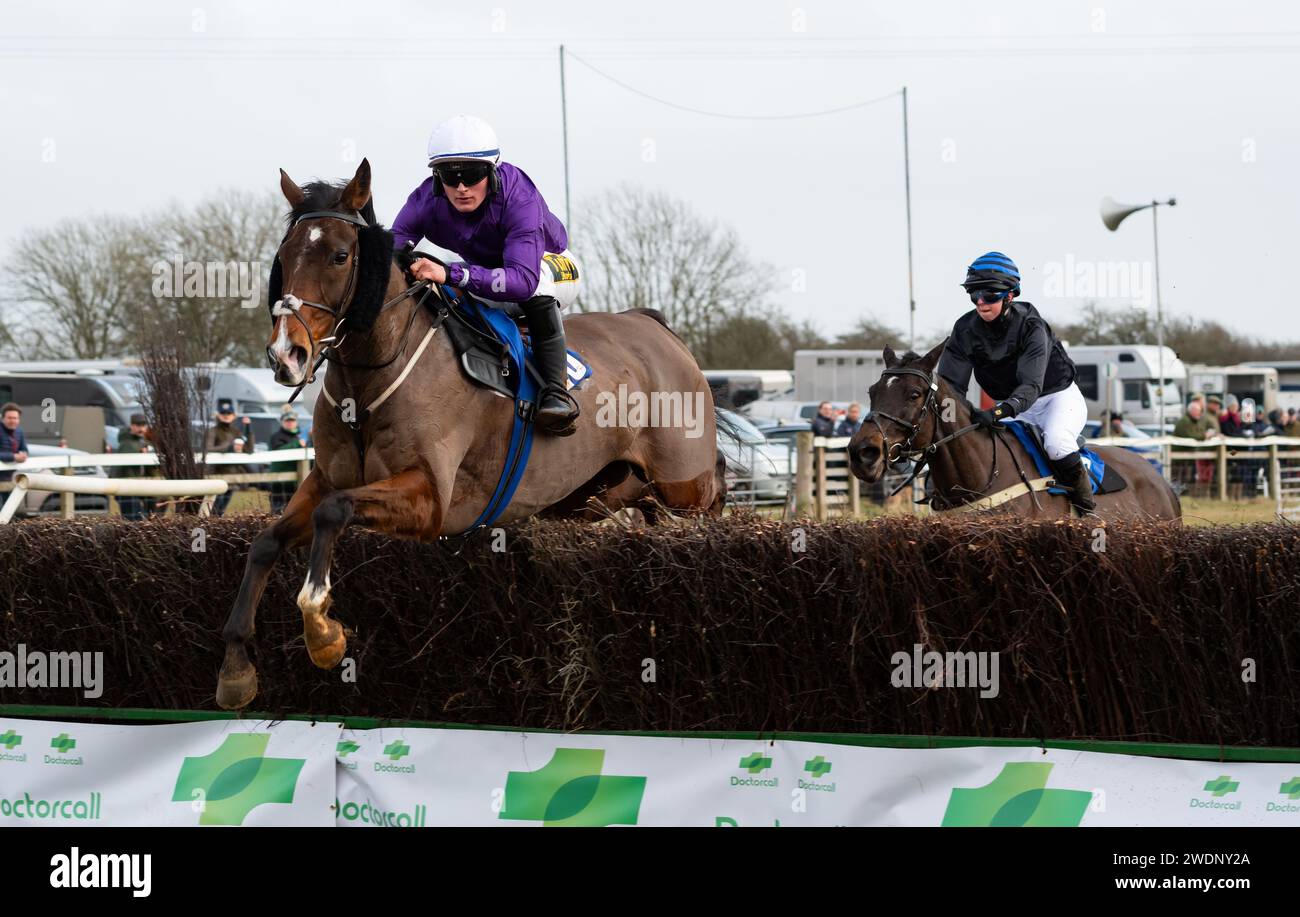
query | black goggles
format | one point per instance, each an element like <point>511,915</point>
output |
<point>988,297</point>
<point>455,174</point>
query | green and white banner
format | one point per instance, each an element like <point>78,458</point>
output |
<point>225,772</point>
<point>400,777</point>
<point>237,772</point>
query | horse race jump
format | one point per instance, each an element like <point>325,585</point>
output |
<point>408,444</point>
<point>916,414</point>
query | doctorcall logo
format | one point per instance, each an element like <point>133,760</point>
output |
<point>27,807</point>
<point>368,813</point>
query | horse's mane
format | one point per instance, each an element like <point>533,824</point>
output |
<point>325,195</point>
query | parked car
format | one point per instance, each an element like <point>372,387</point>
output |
<point>756,468</point>
<point>43,503</point>
<point>1093,430</point>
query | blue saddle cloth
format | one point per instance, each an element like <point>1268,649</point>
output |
<point>1091,460</point>
<point>503,327</point>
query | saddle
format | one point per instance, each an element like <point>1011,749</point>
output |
<point>1105,479</point>
<point>493,353</point>
<point>489,343</point>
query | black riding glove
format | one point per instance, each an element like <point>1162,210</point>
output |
<point>407,256</point>
<point>991,419</point>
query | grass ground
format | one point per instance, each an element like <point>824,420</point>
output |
<point>1228,512</point>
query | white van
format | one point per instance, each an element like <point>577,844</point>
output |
<point>1124,378</point>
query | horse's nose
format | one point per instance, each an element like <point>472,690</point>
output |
<point>864,456</point>
<point>270,358</point>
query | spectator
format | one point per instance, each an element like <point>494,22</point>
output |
<point>13,442</point>
<point>1230,418</point>
<point>1194,425</point>
<point>1275,424</point>
<point>225,437</point>
<point>824,423</point>
<point>1292,427</point>
<point>134,442</point>
<point>287,437</point>
<point>852,421</point>
<point>1213,406</point>
<point>1117,425</point>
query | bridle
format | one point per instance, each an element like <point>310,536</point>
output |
<point>290,304</point>
<point>905,448</point>
<point>327,347</point>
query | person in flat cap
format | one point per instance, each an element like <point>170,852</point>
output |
<point>227,436</point>
<point>134,441</point>
<point>287,437</point>
<point>1213,405</point>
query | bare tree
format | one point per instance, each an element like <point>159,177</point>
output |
<point>169,401</point>
<point>71,286</point>
<point>645,249</point>
<point>89,289</point>
<point>233,236</point>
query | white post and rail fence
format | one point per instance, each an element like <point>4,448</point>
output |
<point>820,484</point>
<point>1223,468</point>
<point>84,474</point>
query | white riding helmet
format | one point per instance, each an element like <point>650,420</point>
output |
<point>464,137</point>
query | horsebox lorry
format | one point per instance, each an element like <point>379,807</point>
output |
<point>1256,382</point>
<point>1124,378</point>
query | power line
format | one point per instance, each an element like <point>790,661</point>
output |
<point>728,115</point>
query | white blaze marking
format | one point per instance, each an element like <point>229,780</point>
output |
<point>314,234</point>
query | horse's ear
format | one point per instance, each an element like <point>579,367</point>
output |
<point>891,358</point>
<point>931,359</point>
<point>289,188</point>
<point>357,194</point>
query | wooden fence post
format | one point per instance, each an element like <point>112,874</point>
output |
<point>803,458</point>
<point>1223,470</point>
<point>821,482</point>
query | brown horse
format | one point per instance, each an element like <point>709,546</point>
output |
<point>916,414</point>
<point>427,455</point>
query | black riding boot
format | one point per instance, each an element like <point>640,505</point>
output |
<point>1070,472</point>
<point>556,409</point>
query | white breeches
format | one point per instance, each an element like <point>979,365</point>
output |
<point>558,276</point>
<point>1062,416</point>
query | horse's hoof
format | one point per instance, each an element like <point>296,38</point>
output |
<point>328,646</point>
<point>235,692</point>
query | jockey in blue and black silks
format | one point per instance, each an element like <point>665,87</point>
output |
<point>514,249</point>
<point>1019,362</point>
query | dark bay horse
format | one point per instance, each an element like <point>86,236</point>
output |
<point>430,451</point>
<point>915,413</point>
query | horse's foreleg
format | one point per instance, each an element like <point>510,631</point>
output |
<point>405,504</point>
<point>237,683</point>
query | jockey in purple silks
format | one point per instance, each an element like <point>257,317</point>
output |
<point>515,250</point>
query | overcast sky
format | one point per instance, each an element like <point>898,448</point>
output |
<point>1023,116</point>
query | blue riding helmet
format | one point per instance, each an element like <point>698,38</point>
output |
<point>992,271</point>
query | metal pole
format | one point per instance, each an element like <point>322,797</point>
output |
<point>1160,320</point>
<point>907,190</point>
<point>564,119</point>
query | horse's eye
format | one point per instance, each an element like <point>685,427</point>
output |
<point>913,394</point>
<point>341,257</point>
